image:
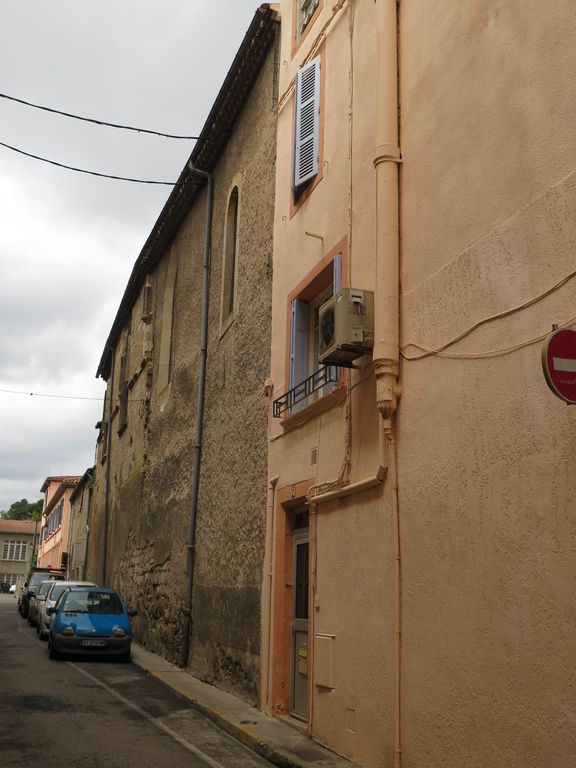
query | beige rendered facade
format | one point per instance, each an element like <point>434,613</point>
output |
<point>432,533</point>
<point>486,452</point>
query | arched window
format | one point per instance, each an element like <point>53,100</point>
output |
<point>230,258</point>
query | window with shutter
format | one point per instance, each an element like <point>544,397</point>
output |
<point>307,124</point>
<point>304,341</point>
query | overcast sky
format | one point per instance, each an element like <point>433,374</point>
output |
<point>68,241</point>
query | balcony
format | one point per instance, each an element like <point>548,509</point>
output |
<point>328,374</point>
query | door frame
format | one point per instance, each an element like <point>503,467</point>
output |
<point>288,498</point>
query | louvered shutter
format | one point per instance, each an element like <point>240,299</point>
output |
<point>307,127</point>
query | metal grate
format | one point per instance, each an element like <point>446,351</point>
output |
<point>328,374</point>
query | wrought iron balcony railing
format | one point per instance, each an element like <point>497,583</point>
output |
<point>328,374</point>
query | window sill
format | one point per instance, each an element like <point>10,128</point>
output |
<point>323,404</point>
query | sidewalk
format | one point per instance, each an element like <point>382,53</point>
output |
<point>281,744</point>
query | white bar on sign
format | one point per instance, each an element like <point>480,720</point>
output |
<point>564,364</point>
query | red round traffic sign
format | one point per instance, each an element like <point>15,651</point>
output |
<point>559,363</point>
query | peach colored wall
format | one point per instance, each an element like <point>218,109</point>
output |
<point>486,452</point>
<point>51,549</point>
<point>352,592</point>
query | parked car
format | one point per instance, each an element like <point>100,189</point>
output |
<point>12,589</point>
<point>37,576</point>
<point>38,597</point>
<point>90,622</point>
<point>54,592</point>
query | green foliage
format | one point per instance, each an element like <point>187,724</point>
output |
<point>23,510</point>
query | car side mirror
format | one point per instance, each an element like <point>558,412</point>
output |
<point>50,611</point>
<point>132,613</point>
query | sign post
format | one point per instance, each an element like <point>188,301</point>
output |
<point>559,364</point>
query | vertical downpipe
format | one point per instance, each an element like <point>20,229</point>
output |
<point>107,476</point>
<point>197,447</point>
<point>387,330</point>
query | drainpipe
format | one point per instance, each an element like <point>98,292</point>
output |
<point>386,296</point>
<point>267,598</point>
<point>107,476</point>
<point>197,447</point>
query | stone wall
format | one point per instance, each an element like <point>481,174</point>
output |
<point>149,466</point>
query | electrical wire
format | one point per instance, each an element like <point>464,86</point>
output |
<point>41,394</point>
<point>83,170</point>
<point>99,122</point>
<point>488,353</point>
<point>440,350</point>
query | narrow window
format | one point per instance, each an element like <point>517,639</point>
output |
<point>165,356</point>
<point>305,12</point>
<point>230,258</point>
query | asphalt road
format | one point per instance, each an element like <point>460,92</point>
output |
<point>97,713</point>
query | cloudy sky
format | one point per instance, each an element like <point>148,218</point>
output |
<point>68,241</point>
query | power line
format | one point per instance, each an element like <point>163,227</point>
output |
<point>99,122</point>
<point>83,170</point>
<point>41,394</point>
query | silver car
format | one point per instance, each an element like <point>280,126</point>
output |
<point>54,592</point>
<point>38,597</point>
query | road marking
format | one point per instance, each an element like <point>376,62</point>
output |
<point>186,744</point>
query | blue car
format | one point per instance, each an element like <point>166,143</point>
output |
<point>90,621</point>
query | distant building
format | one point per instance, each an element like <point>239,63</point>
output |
<point>53,546</point>
<point>80,500</point>
<point>17,539</point>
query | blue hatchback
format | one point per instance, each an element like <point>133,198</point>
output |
<point>90,621</point>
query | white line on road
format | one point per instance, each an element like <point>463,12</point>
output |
<point>186,744</point>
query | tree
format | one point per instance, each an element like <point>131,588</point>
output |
<point>23,510</point>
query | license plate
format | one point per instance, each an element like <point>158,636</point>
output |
<point>95,643</point>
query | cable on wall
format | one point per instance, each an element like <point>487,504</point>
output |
<point>439,351</point>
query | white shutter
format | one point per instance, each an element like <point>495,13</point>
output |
<point>307,127</point>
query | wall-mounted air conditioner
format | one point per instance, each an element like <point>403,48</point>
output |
<point>346,327</point>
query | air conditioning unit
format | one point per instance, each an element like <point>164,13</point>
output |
<point>346,327</point>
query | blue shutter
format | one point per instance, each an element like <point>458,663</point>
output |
<point>336,372</point>
<point>307,122</point>
<point>299,346</point>
<point>337,274</point>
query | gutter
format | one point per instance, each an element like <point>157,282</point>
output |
<point>386,353</point>
<point>199,427</point>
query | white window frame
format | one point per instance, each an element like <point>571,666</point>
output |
<point>15,551</point>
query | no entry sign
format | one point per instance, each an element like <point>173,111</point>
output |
<point>559,363</point>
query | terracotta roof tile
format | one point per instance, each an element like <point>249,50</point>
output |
<point>17,526</point>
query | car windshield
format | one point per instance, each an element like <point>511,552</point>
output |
<point>43,588</point>
<point>57,590</point>
<point>84,601</point>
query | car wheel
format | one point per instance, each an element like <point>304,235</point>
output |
<point>52,654</point>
